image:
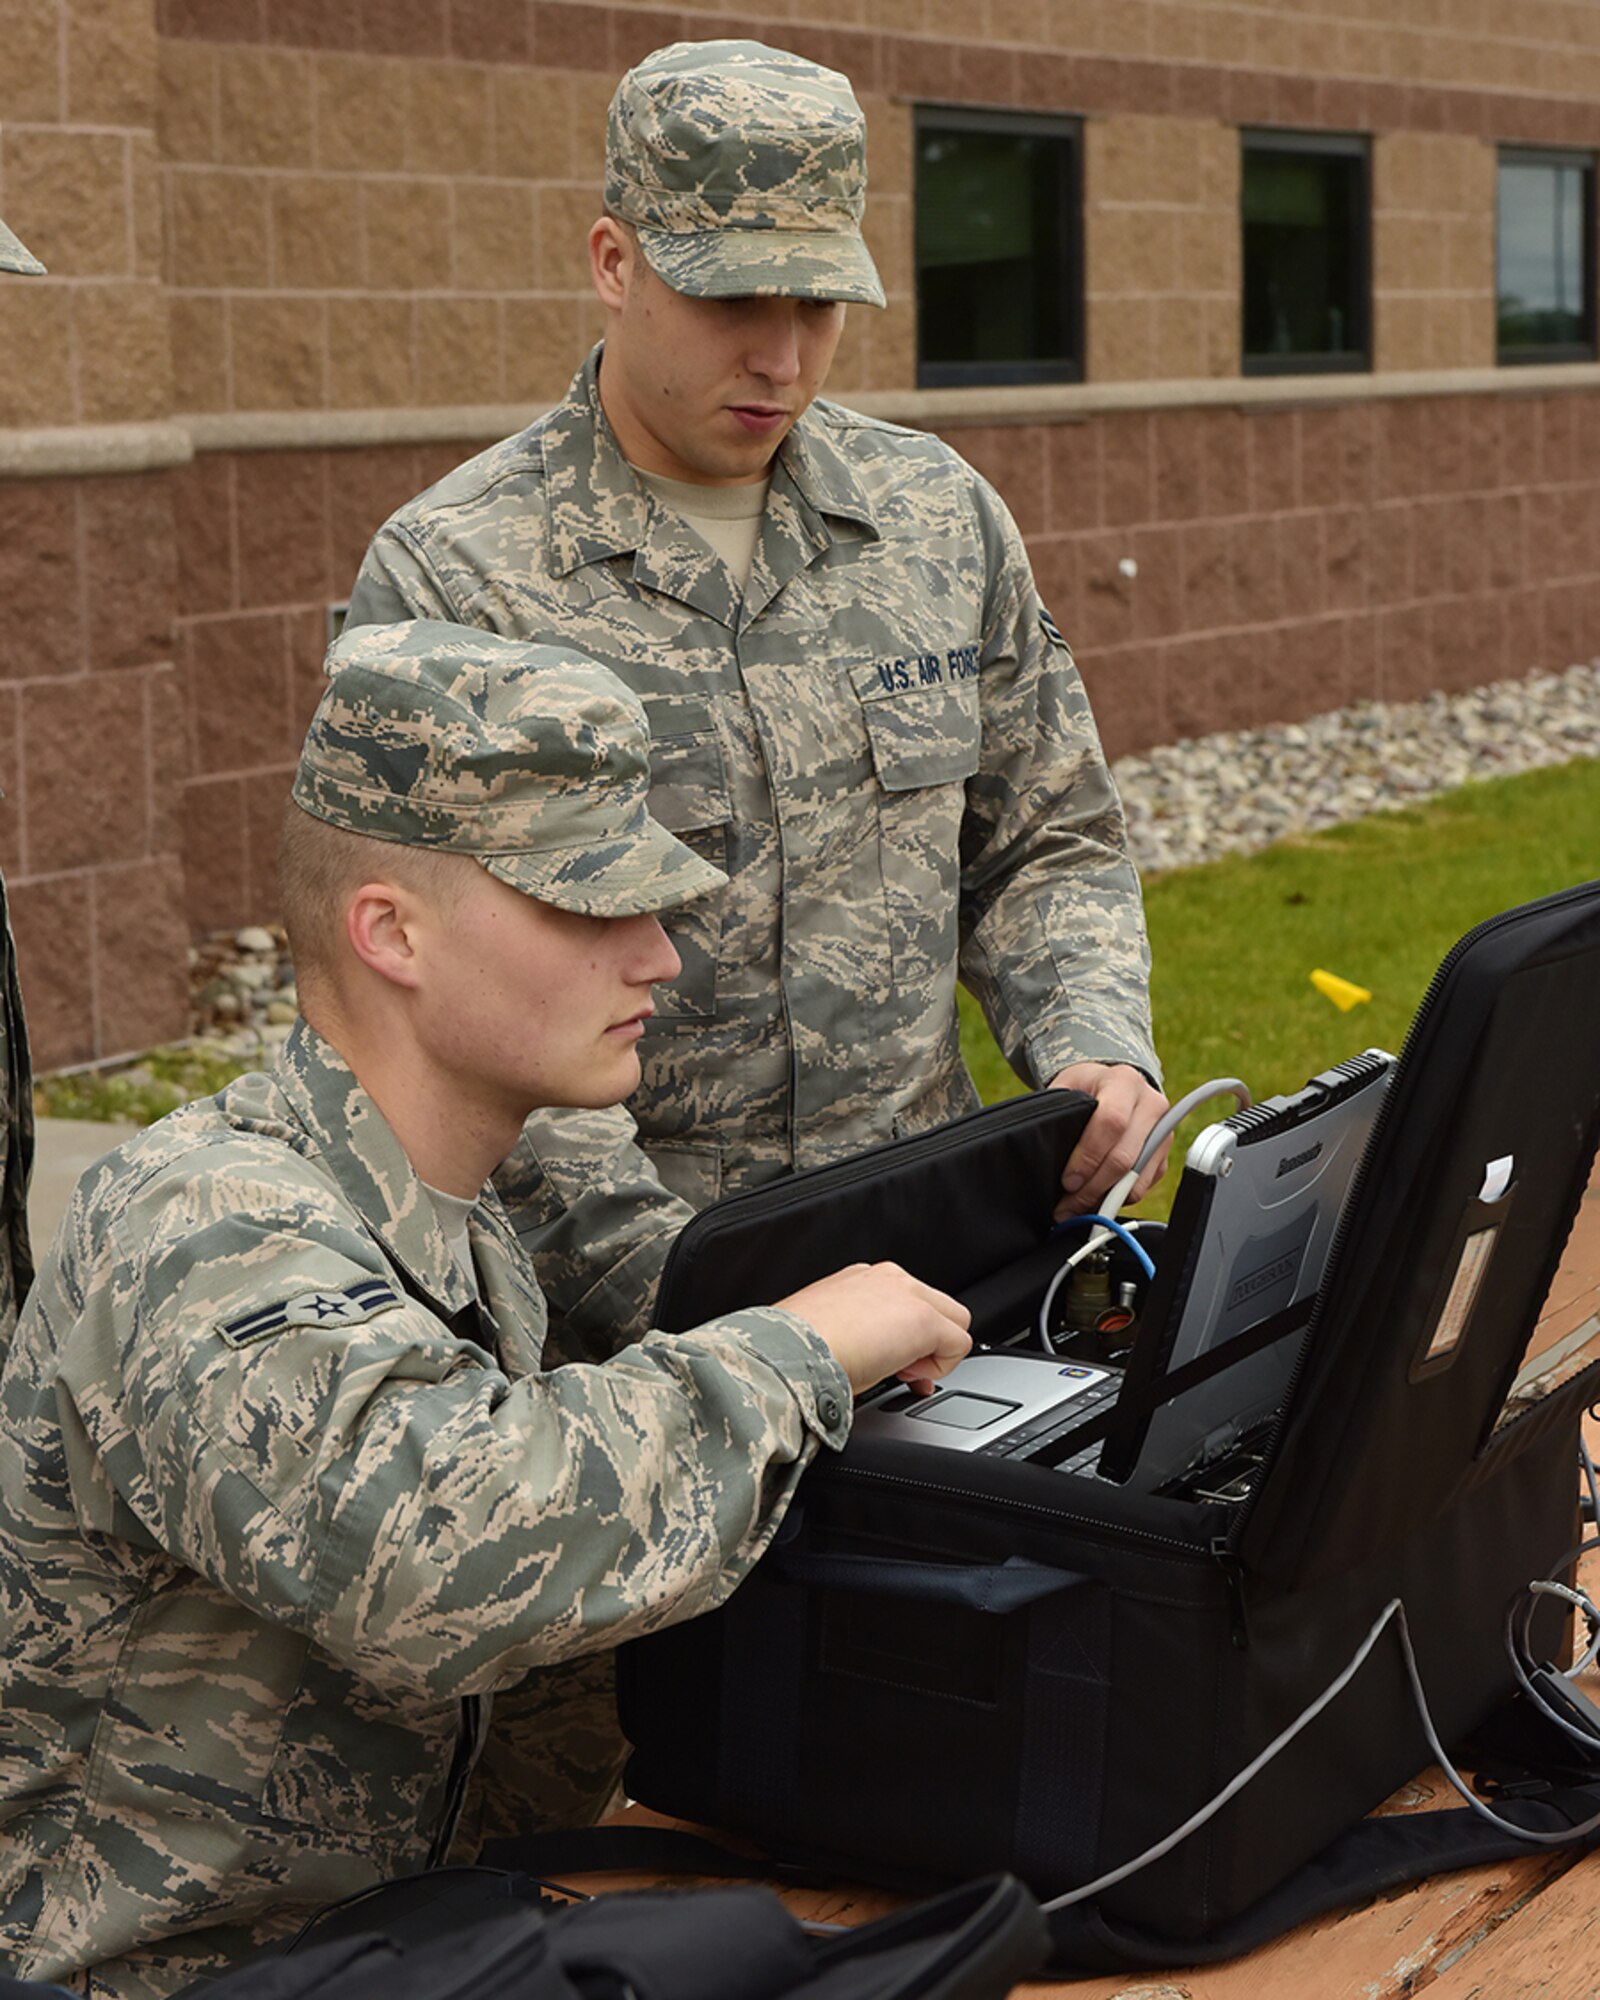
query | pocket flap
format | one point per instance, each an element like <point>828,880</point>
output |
<point>688,780</point>
<point>919,735</point>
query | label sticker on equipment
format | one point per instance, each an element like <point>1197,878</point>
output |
<point>1463,1293</point>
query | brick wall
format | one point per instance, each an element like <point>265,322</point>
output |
<point>90,707</point>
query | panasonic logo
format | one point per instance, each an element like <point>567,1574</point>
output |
<point>1298,1160</point>
<point>1259,1281</point>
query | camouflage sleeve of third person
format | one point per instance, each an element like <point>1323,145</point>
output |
<point>1054,943</point>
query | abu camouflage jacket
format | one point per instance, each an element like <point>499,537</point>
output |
<point>291,1524</point>
<point>16,1136</point>
<point>884,742</point>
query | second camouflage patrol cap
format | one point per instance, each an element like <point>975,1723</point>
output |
<point>533,759</point>
<point>16,256</point>
<point>744,171</point>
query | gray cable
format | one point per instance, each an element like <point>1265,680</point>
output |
<point>1394,1610</point>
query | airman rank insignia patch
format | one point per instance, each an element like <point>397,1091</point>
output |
<point>1051,630</point>
<point>331,1307</point>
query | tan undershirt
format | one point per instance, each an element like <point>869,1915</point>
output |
<point>452,1211</point>
<point>728,517</point>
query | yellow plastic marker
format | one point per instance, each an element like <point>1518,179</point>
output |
<point>1344,993</point>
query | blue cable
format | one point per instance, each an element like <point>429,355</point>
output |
<point>1117,1230</point>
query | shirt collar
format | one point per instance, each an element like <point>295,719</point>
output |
<point>369,1165</point>
<point>597,508</point>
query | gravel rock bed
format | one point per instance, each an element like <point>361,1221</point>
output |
<point>1186,802</point>
<point>1244,789</point>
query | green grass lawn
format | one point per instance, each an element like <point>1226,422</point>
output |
<point>1378,902</point>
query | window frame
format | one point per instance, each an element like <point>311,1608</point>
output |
<point>1028,124</point>
<point>1357,146</point>
<point>1588,348</point>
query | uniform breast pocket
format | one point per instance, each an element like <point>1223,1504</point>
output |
<point>689,796</point>
<point>924,741</point>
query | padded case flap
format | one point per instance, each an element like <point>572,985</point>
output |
<point>1453,1232</point>
<point>954,1206</point>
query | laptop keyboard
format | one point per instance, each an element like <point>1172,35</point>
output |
<point>1044,1429</point>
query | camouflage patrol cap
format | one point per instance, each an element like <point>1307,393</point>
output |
<point>531,758</point>
<point>744,171</point>
<point>15,256</point>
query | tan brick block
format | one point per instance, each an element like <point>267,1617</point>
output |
<point>1018,21</point>
<point>1218,169</point>
<point>1407,254</point>
<point>111,61</point>
<point>1147,250</point>
<point>1226,35</point>
<point>1402,174</point>
<point>186,101</point>
<point>279,346</point>
<point>458,351</point>
<point>1074,24</point>
<point>493,237</point>
<point>124,352</point>
<point>1475,332</point>
<point>1361,49</point>
<point>1117,160</point>
<point>532,124</point>
<point>32,78</point>
<point>1127,28</point>
<point>36,385</point>
<point>148,189</point>
<point>265,107</point>
<point>1401,338</point>
<point>1207,252</point>
<point>851,371</point>
<point>199,330</point>
<point>892,345</point>
<point>1177,32</point>
<point>888,229</point>
<point>1178,345</point>
<point>899,17</point>
<point>544,343</point>
<point>359,108</point>
<point>217,230</point>
<point>890,146</point>
<point>406,228</point>
<point>370,353</point>
<point>1272,42</point>
<point>1462,176</point>
<point>1223,335</point>
<point>591,97</point>
<point>316,232</point>
<point>1121,339</point>
<point>1174,149</point>
<point>1321,49</point>
<point>565,215</point>
<point>67,198</point>
<point>448,129</point>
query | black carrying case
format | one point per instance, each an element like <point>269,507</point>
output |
<point>949,1665</point>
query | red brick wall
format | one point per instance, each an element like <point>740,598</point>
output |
<point>91,735</point>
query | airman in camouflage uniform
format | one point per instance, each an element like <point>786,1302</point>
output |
<point>16,1083</point>
<point>298,1511</point>
<point>878,732</point>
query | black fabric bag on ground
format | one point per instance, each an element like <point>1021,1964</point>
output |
<point>487,1934</point>
<point>950,1664</point>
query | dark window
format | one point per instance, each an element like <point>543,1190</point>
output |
<point>1304,206</point>
<point>1544,256</point>
<point>999,260</point>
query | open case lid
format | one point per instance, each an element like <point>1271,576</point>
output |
<point>1453,1231</point>
<point>953,1206</point>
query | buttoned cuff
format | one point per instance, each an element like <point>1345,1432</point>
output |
<point>804,1359</point>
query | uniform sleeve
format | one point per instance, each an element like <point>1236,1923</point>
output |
<point>1053,934</point>
<point>395,583</point>
<point>384,1488</point>
<point>593,1218</point>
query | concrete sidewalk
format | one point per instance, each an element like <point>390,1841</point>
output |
<point>63,1148</point>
